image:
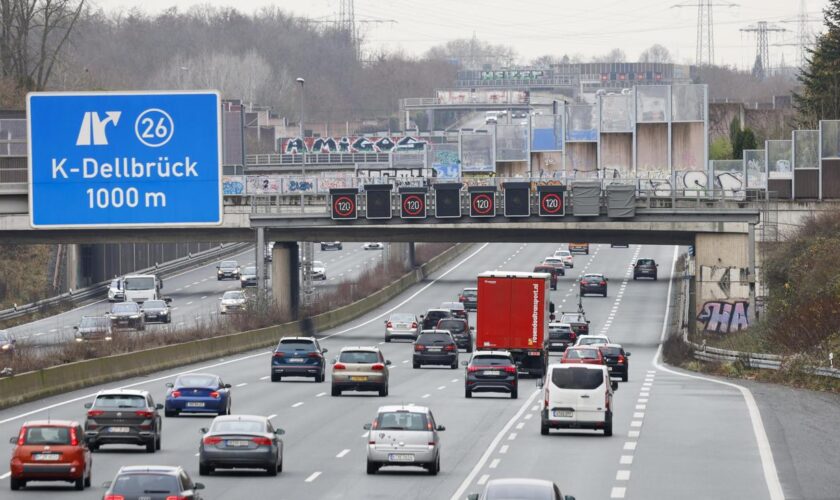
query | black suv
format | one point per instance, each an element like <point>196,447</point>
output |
<point>469,297</point>
<point>645,268</point>
<point>616,359</point>
<point>560,336</point>
<point>298,357</point>
<point>123,416</point>
<point>331,245</point>
<point>578,322</point>
<point>153,482</point>
<point>593,283</point>
<point>491,371</point>
<point>460,332</point>
<point>432,316</point>
<point>435,347</point>
<point>127,315</point>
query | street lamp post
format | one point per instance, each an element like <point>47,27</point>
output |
<point>301,81</point>
<point>306,246</point>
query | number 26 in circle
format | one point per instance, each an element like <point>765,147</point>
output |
<point>154,127</point>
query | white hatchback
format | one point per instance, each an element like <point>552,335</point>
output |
<point>592,340</point>
<point>579,397</point>
<point>568,258</point>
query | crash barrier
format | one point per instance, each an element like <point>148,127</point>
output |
<point>39,384</point>
<point>98,290</point>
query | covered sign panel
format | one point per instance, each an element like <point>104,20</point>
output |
<point>477,153</point>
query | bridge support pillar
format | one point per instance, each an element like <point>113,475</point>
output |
<point>724,282</point>
<point>285,278</point>
<point>259,262</point>
<point>412,256</point>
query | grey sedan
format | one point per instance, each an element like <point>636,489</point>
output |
<point>521,488</point>
<point>241,441</point>
<point>402,325</point>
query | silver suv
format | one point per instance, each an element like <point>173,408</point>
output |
<point>123,416</point>
<point>404,436</point>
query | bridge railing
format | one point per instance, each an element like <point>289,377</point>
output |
<point>297,160</point>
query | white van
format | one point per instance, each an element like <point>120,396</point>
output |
<point>142,287</point>
<point>577,396</point>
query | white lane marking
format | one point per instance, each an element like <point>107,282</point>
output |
<point>365,434</point>
<point>265,378</point>
<point>622,475</point>
<point>409,298</point>
<point>642,400</point>
<point>638,414</point>
<point>520,425</point>
<point>313,476</point>
<point>483,479</point>
<point>528,416</point>
<point>299,403</point>
<point>203,297</point>
<point>424,396</point>
<point>633,434</point>
<point>535,407</point>
<point>53,330</point>
<point>494,463</point>
<point>512,436</point>
<point>441,387</point>
<point>467,482</point>
<point>618,492</point>
<point>630,445</point>
<point>405,361</point>
<point>320,394</point>
<point>641,407</point>
<point>626,459</point>
<point>342,453</point>
<point>243,384</point>
<point>454,379</point>
<point>503,449</point>
<point>4,476</point>
<point>768,464</point>
<point>271,416</point>
<point>636,423</point>
<point>189,303</point>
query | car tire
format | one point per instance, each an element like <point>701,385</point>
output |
<point>321,377</point>
<point>470,348</point>
<point>79,484</point>
<point>271,469</point>
<point>467,393</point>
<point>624,377</point>
<point>454,365</point>
<point>276,377</point>
<point>655,278</point>
<point>514,394</point>
<point>204,470</point>
<point>93,447</point>
<point>544,430</point>
<point>372,467</point>
<point>158,442</point>
<point>170,413</point>
<point>608,430</point>
<point>605,294</point>
<point>387,338</point>
<point>89,479</point>
<point>150,446</point>
<point>415,365</point>
<point>434,467</point>
<point>280,465</point>
<point>383,391</point>
<point>323,248</point>
<point>336,391</point>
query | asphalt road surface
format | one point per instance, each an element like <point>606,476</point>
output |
<point>675,436</point>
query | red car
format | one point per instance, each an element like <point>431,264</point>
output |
<point>583,355</point>
<point>53,450</point>
<point>548,269</point>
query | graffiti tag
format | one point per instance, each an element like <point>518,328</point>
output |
<point>724,317</point>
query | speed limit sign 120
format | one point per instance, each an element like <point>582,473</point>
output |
<point>343,204</point>
<point>413,205</point>
<point>552,203</point>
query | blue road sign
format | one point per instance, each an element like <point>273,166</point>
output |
<point>124,159</point>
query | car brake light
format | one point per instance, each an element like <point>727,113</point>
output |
<point>176,497</point>
<point>212,440</point>
<point>450,347</point>
<point>620,359</point>
<point>279,354</point>
<point>389,325</point>
<point>339,366</point>
<point>261,441</point>
<point>315,355</point>
<point>74,438</point>
<point>176,394</point>
<point>95,413</point>
<point>114,497</point>
<point>431,443</point>
<point>377,367</point>
<point>603,283</point>
<point>214,395</point>
<point>419,347</point>
<point>461,298</point>
<point>144,413</point>
<point>572,336</point>
<point>414,325</point>
<point>510,369</point>
<point>545,401</point>
<point>472,369</point>
<point>22,436</point>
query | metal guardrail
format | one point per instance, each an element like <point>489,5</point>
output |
<point>97,290</point>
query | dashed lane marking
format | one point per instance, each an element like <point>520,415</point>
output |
<point>342,453</point>
<point>622,475</point>
<point>320,394</point>
<point>313,476</point>
<point>494,463</point>
<point>483,479</point>
<point>243,384</point>
<point>299,403</point>
<point>503,449</point>
<point>626,460</point>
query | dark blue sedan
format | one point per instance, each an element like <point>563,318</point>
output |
<point>298,357</point>
<point>197,393</point>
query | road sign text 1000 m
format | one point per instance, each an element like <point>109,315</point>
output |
<point>124,159</point>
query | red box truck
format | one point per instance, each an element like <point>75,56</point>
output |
<point>513,314</point>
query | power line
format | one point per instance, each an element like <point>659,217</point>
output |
<point>705,50</point>
<point>762,47</point>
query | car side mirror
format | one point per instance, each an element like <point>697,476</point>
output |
<point>227,386</point>
<point>587,322</point>
<point>158,406</point>
<point>465,363</point>
<point>569,497</point>
<point>170,385</point>
<point>88,405</point>
<point>106,484</point>
<point>388,362</point>
<point>627,354</point>
<point>614,385</point>
<point>75,328</point>
<point>279,432</point>
<point>440,428</point>
<point>220,298</point>
<point>472,328</point>
<point>334,361</point>
<point>198,486</point>
<point>203,430</point>
<point>473,496</point>
<point>366,427</point>
<point>13,440</point>
<point>385,321</point>
<point>551,317</point>
<point>168,300</point>
<point>217,267</point>
<point>324,351</point>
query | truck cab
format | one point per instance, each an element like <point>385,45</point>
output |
<point>142,287</point>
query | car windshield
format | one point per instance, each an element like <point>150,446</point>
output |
<point>454,326</point>
<point>154,304</point>
<point>145,283</point>
<point>519,492</point>
<point>577,377</point>
<point>471,294</point>
<point>402,318</point>
<point>645,262</point>
<point>228,264</point>
<point>125,307</point>
<point>47,435</point>
<point>593,277</point>
<point>611,351</point>
<point>145,484</point>
<point>582,354</point>
<point>572,318</point>
<point>234,426</point>
<point>197,381</point>
<point>120,401</point>
<point>434,338</point>
<point>592,340</point>
<point>234,295</point>
<point>250,270</point>
<point>296,345</point>
<point>402,421</point>
<point>563,253</point>
<point>360,357</point>
<point>115,284</point>
<point>437,315</point>
<point>90,322</point>
<point>491,360</point>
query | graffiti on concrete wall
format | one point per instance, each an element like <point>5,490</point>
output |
<point>233,185</point>
<point>351,144</point>
<point>717,316</point>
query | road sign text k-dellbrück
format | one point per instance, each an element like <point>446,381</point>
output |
<point>124,159</point>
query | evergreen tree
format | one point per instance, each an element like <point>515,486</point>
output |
<point>819,98</point>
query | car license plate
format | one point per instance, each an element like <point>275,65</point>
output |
<point>359,379</point>
<point>400,457</point>
<point>235,443</point>
<point>295,360</point>
<point>558,344</point>
<point>118,429</point>
<point>492,372</point>
<point>195,404</point>
<point>435,349</point>
<point>45,457</point>
<point>562,413</point>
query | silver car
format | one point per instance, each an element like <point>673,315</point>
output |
<point>402,325</point>
<point>241,441</point>
<point>522,489</point>
<point>405,435</point>
<point>360,369</point>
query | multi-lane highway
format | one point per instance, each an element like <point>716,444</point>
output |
<point>195,293</point>
<point>675,436</point>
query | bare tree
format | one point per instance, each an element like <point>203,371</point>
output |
<point>656,53</point>
<point>472,53</point>
<point>32,35</point>
<point>615,55</point>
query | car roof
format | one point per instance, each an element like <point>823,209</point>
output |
<point>159,469</point>
<point>567,366</point>
<point>405,407</point>
<point>612,344</point>
<point>438,309</point>
<point>521,481</point>
<point>446,332</point>
<point>453,305</point>
<point>471,288</point>
<point>310,339</point>
<point>50,422</point>
<point>498,352</point>
<point>231,418</point>
<point>129,392</point>
<point>559,324</point>
<point>451,319</point>
<point>360,348</point>
<point>197,375</point>
<point>594,337</point>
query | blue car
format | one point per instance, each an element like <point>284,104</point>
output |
<point>197,393</point>
<point>298,357</point>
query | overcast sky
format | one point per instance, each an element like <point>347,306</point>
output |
<point>539,27</point>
